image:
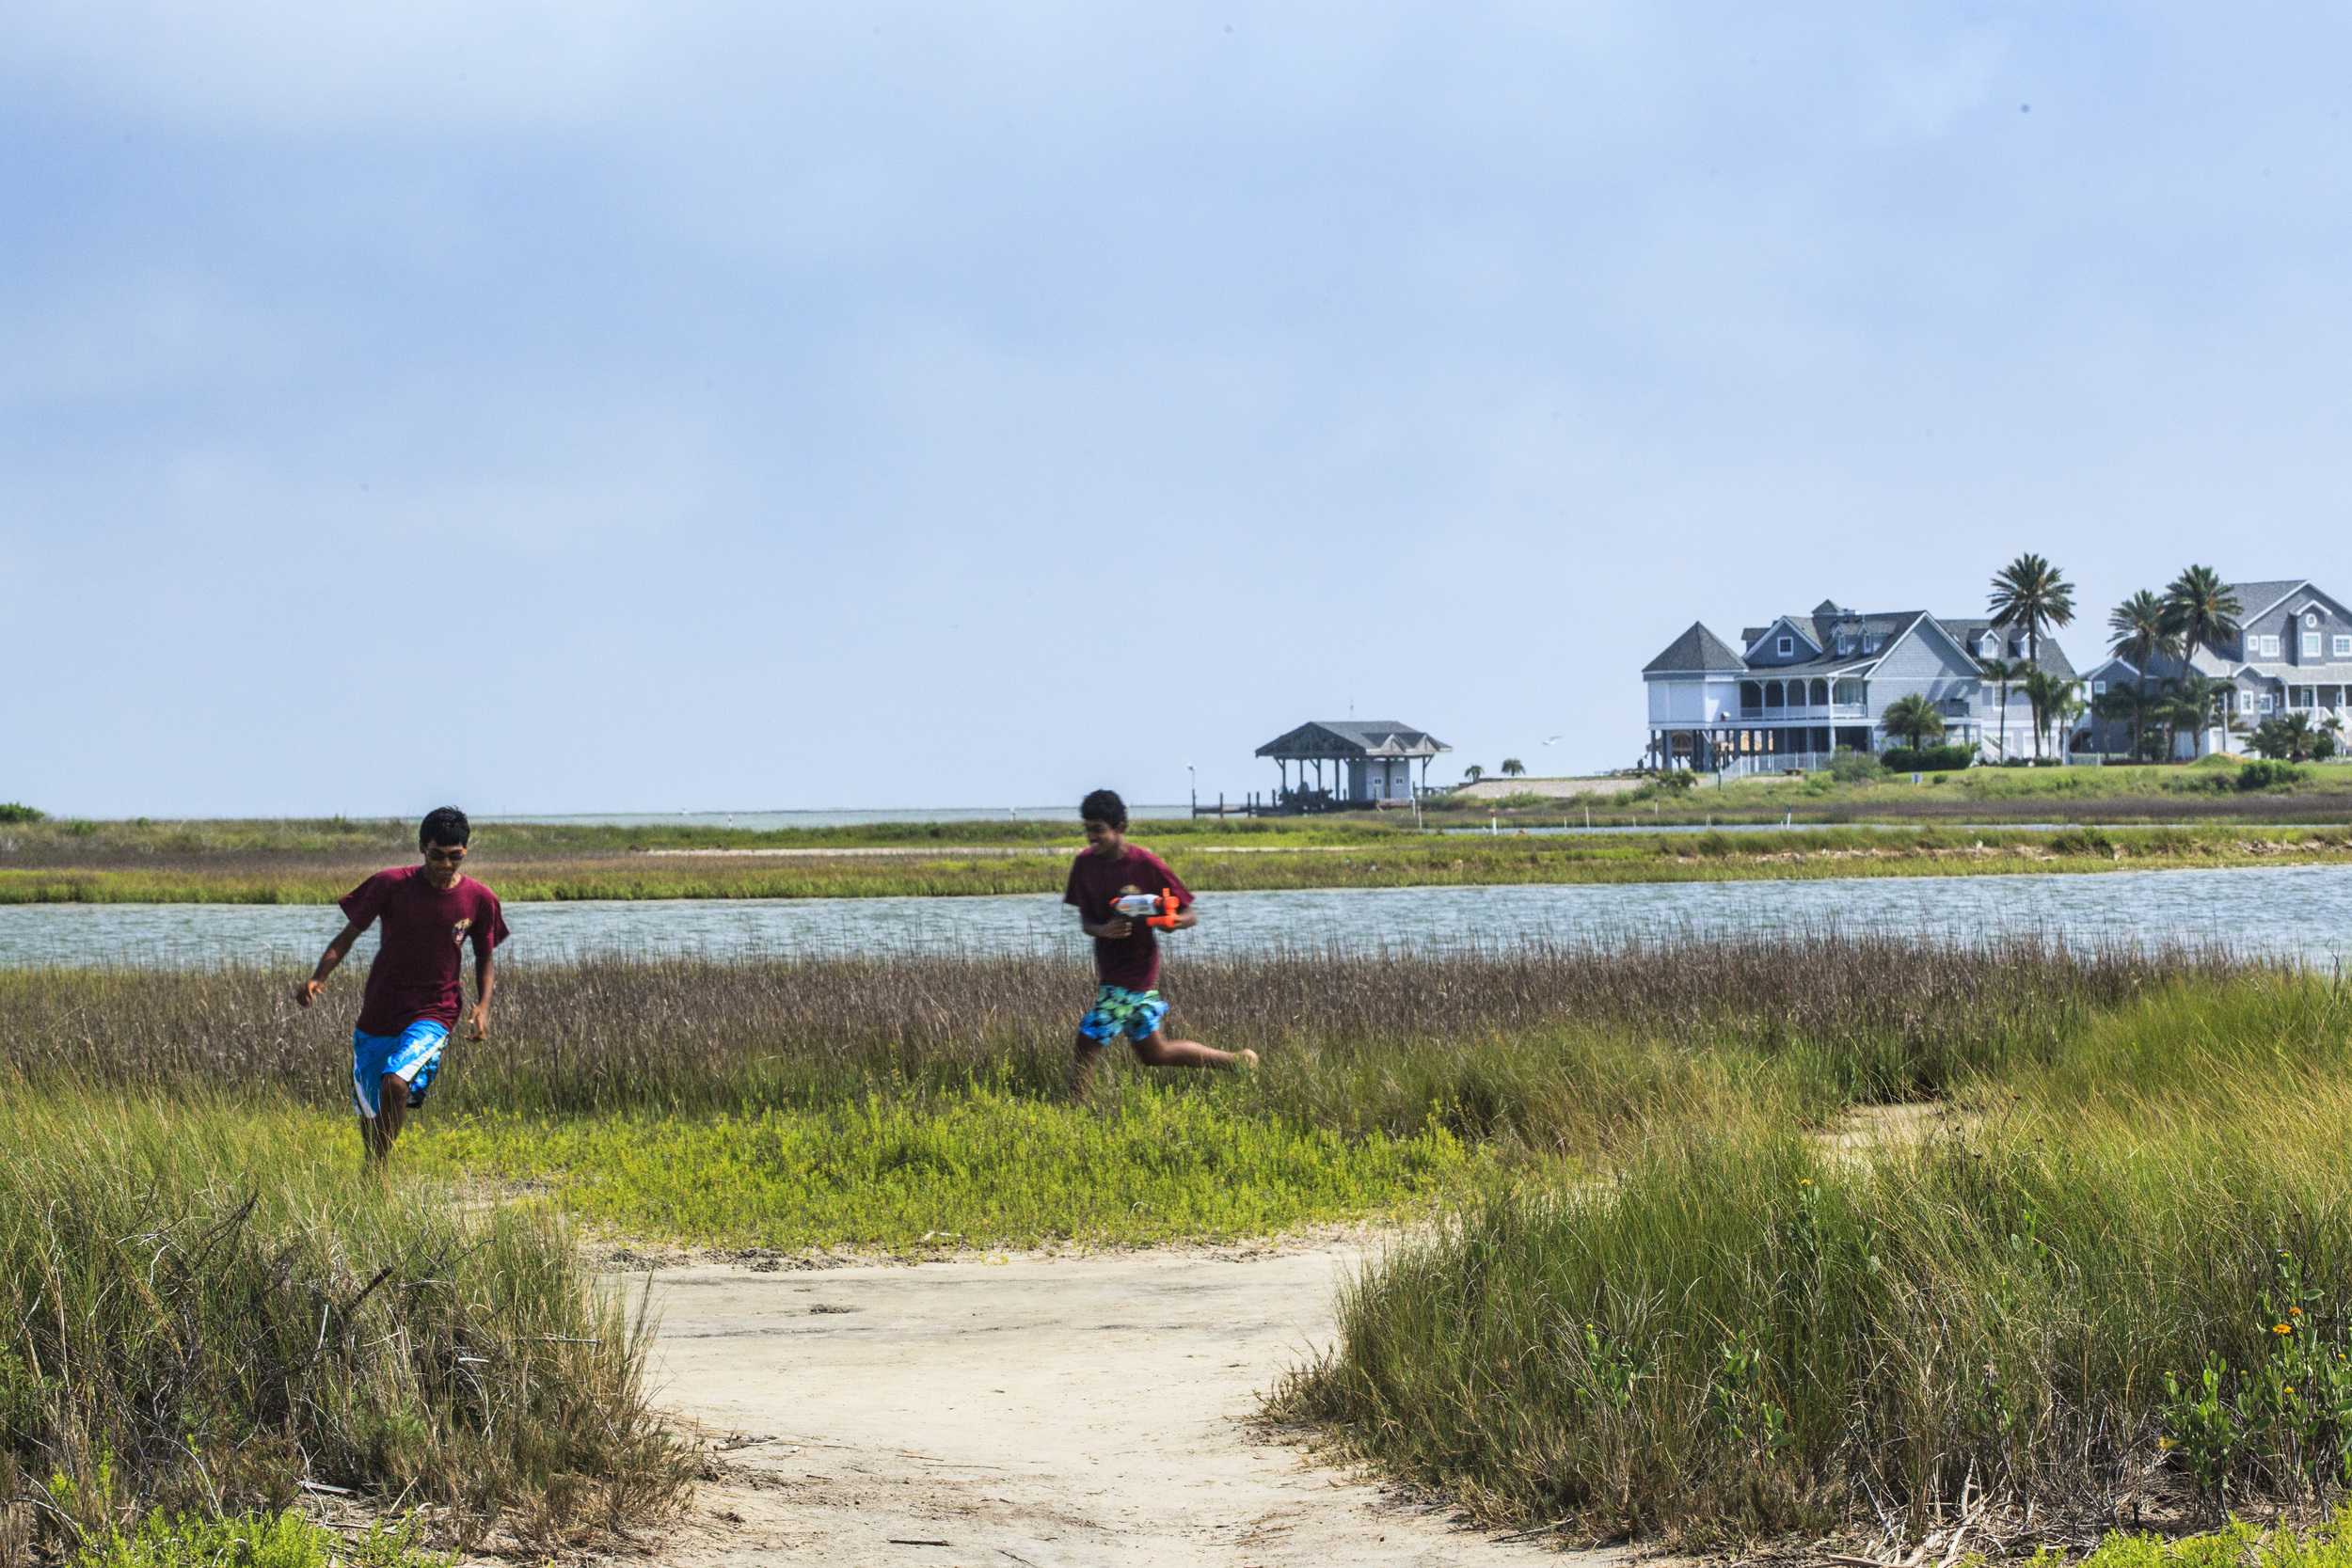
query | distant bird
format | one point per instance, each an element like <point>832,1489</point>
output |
<point>1560,736</point>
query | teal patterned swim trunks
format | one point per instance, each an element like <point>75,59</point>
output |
<point>1118,1011</point>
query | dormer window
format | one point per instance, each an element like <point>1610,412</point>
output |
<point>1991,646</point>
<point>1845,644</point>
<point>1788,646</point>
<point>1869,641</point>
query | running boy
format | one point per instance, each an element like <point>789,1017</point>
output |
<point>1126,951</point>
<point>416,983</point>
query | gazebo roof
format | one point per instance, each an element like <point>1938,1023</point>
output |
<point>1353,737</point>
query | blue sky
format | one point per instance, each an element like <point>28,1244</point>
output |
<point>608,406</point>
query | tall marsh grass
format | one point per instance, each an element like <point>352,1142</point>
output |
<point>1353,1042</point>
<point>2128,1275</point>
<point>203,1308</point>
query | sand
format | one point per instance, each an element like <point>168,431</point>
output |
<point>1098,1410</point>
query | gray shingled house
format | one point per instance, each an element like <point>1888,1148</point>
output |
<point>1371,761</point>
<point>2293,654</point>
<point>1797,692</point>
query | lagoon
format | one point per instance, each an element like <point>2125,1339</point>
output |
<point>2303,913</point>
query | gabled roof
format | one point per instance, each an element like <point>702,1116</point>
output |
<point>1354,737</point>
<point>1799,624</point>
<point>1969,632</point>
<point>2260,598</point>
<point>1697,650</point>
<point>1885,628</point>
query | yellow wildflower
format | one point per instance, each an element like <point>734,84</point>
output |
<point>2282,1328</point>
<point>2294,1312</point>
<point>2165,1444</point>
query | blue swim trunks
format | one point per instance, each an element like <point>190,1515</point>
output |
<point>1118,1011</point>
<point>413,1054</point>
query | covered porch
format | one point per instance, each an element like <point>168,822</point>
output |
<point>1347,763</point>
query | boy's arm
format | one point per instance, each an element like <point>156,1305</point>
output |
<point>484,981</point>
<point>1114,930</point>
<point>307,992</point>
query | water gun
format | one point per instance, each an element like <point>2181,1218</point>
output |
<point>1154,908</point>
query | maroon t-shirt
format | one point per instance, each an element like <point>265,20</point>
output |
<point>1132,963</point>
<point>417,968</point>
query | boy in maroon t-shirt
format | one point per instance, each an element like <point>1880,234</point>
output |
<point>416,983</point>
<point>1126,950</point>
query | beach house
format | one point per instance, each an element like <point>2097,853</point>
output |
<point>2293,654</point>
<point>1793,693</point>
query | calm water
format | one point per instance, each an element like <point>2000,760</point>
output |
<point>765,821</point>
<point>2300,911</point>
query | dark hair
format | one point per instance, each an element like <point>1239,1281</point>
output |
<point>1103,807</point>
<point>443,825</point>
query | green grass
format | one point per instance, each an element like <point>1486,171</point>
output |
<point>1398,861</point>
<point>2237,1544</point>
<point>201,1305</point>
<point>2187,792</point>
<point>250,1540</point>
<point>984,1168</point>
<point>1783,1336</point>
<point>1745,1334</point>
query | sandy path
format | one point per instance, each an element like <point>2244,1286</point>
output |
<point>1042,1411</point>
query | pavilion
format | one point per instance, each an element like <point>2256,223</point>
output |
<point>1371,762</point>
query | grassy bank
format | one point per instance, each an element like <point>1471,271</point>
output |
<point>2210,791</point>
<point>1397,860</point>
<point>1659,1300</point>
<point>203,1308</point>
<point>2129,1279</point>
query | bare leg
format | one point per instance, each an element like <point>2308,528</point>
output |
<point>392,1111</point>
<point>1081,1067</point>
<point>1157,1050</point>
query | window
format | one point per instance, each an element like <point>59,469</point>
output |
<point>2266,701</point>
<point>2343,646</point>
<point>2269,648</point>
<point>2098,689</point>
<point>2311,645</point>
<point>1845,644</point>
<point>1788,645</point>
<point>1991,646</point>
<point>2311,620</point>
<point>1869,641</point>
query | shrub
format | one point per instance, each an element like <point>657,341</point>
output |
<point>1928,759</point>
<point>16,810</point>
<point>2264,774</point>
<point>1851,767</point>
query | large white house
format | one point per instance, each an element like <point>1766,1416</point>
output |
<point>1793,693</point>
<point>2293,654</point>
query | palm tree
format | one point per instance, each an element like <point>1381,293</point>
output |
<point>2125,704</point>
<point>1912,718</point>
<point>2289,737</point>
<point>2199,610</point>
<point>2140,633</point>
<point>2002,672</point>
<point>1472,774</point>
<point>2195,697</point>
<point>2051,697</point>
<point>1513,768</point>
<point>2028,593</point>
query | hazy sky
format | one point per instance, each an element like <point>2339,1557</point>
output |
<point>596,405</point>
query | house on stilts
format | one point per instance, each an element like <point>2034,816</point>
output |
<point>1368,763</point>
